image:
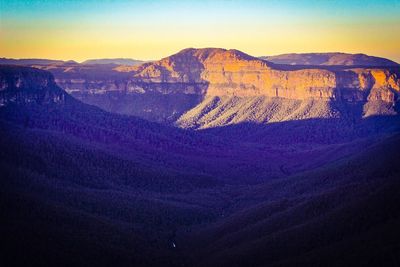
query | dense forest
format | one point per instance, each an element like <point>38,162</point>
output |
<point>81,186</point>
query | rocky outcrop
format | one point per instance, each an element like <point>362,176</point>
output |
<point>28,85</point>
<point>240,88</point>
<point>233,73</point>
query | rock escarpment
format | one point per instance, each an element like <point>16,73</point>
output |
<point>233,73</point>
<point>240,88</point>
<point>207,83</point>
<point>28,85</point>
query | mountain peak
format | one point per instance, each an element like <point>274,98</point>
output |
<point>196,65</point>
<point>209,53</point>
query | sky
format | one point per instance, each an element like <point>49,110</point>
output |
<point>150,30</point>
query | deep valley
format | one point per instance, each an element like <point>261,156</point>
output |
<point>209,157</point>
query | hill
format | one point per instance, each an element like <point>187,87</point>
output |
<point>115,61</point>
<point>330,59</point>
<point>33,61</point>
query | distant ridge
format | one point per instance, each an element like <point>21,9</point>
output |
<point>45,62</point>
<point>116,61</point>
<point>34,61</point>
<point>330,59</point>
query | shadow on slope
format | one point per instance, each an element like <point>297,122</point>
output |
<point>79,202</point>
<point>345,214</point>
<point>73,203</point>
<point>308,131</point>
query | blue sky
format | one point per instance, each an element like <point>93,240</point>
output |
<point>152,29</point>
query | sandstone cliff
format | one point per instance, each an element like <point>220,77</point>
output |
<point>233,73</point>
<point>28,85</point>
<point>228,86</point>
<point>239,88</point>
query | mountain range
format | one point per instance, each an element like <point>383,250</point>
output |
<point>209,157</point>
<point>331,59</point>
<point>34,61</point>
<point>203,88</point>
<point>116,61</point>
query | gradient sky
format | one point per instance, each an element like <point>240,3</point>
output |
<point>82,30</point>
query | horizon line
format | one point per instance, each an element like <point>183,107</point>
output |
<point>149,60</point>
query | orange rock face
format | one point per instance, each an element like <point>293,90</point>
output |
<point>200,88</point>
<point>233,73</point>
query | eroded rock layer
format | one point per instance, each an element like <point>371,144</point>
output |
<point>173,88</point>
<point>231,72</point>
<point>28,85</point>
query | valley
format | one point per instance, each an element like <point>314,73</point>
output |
<point>209,157</point>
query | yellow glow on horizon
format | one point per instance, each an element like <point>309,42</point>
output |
<point>158,36</point>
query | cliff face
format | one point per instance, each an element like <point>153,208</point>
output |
<point>220,72</point>
<point>233,73</point>
<point>238,88</point>
<point>28,85</point>
<point>173,87</point>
